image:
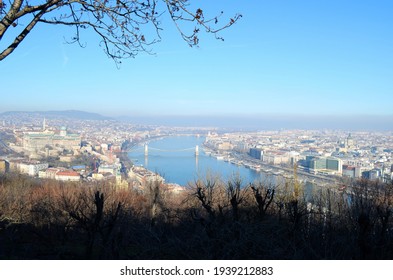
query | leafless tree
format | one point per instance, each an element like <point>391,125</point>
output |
<point>125,27</point>
<point>264,196</point>
<point>235,195</point>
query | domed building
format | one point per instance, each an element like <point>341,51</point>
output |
<point>37,141</point>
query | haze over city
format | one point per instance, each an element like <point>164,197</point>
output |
<point>283,64</point>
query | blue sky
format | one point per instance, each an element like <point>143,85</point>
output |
<point>282,58</point>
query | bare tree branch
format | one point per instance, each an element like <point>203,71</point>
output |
<point>125,27</point>
<point>21,36</point>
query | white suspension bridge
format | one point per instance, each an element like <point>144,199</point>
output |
<point>146,149</point>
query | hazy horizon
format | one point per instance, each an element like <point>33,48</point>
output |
<point>255,122</point>
<point>308,64</point>
<point>275,122</point>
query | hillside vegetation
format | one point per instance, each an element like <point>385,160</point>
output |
<point>211,220</point>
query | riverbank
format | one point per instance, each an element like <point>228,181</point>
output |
<point>269,169</point>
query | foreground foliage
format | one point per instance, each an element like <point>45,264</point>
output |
<point>211,220</point>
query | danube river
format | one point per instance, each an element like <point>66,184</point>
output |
<point>174,159</point>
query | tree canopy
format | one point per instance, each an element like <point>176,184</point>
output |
<point>125,27</point>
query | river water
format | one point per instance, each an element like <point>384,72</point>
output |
<point>181,167</point>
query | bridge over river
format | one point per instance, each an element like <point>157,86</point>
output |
<point>146,149</point>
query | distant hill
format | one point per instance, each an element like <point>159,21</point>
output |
<point>69,114</point>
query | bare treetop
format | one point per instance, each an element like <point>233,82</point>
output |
<point>125,27</point>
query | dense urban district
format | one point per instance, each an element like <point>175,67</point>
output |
<point>72,150</point>
<point>69,190</point>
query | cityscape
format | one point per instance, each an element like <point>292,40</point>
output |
<point>75,150</point>
<point>237,132</point>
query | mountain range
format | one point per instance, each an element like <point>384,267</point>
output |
<point>68,114</point>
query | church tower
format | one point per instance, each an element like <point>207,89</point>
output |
<point>350,143</point>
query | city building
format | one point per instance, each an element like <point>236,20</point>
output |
<point>329,165</point>
<point>334,164</point>
<point>349,142</point>
<point>143,175</point>
<point>112,169</point>
<point>34,141</point>
<point>256,153</point>
<point>352,171</point>
<point>225,146</point>
<point>373,174</point>
<point>31,168</point>
<point>275,157</point>
<point>67,175</point>
<point>49,173</point>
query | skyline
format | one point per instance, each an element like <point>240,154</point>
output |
<point>228,122</point>
<point>281,59</point>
